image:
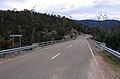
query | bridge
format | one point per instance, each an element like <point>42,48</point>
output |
<point>73,59</point>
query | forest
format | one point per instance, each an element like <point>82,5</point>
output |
<point>34,27</point>
<point>110,34</point>
<point>37,27</point>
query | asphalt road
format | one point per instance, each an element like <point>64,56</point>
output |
<point>66,60</point>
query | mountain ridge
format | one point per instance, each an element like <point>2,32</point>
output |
<point>93,23</point>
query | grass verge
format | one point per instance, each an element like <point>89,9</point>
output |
<point>110,60</point>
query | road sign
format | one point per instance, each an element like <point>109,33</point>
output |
<point>15,35</point>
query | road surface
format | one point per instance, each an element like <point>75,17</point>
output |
<point>66,60</point>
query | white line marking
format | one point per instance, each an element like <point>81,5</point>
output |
<point>55,56</point>
<point>95,60</point>
<point>69,46</point>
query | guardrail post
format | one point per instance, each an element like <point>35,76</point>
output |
<point>117,61</point>
<point>2,56</point>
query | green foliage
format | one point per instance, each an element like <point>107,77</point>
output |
<point>5,44</point>
<point>84,29</point>
<point>34,26</point>
<point>107,58</point>
<point>110,35</point>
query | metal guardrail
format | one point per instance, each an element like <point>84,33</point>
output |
<point>8,51</point>
<point>41,44</point>
<point>101,46</point>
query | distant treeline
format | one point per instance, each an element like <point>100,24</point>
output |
<point>109,35</point>
<point>34,26</point>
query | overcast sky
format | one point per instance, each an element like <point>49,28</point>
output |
<point>76,9</point>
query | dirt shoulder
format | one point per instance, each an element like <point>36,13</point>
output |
<point>107,66</point>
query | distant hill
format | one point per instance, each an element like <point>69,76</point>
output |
<point>35,27</point>
<point>93,23</point>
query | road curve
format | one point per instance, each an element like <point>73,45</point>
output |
<point>66,60</point>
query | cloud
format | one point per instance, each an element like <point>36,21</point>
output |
<point>10,4</point>
<point>78,9</point>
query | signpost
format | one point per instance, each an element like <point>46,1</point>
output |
<point>15,36</point>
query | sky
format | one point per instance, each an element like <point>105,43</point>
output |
<point>74,9</point>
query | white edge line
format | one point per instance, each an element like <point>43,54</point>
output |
<point>95,60</point>
<point>55,56</point>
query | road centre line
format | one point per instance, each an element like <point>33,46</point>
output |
<point>55,56</point>
<point>69,46</point>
